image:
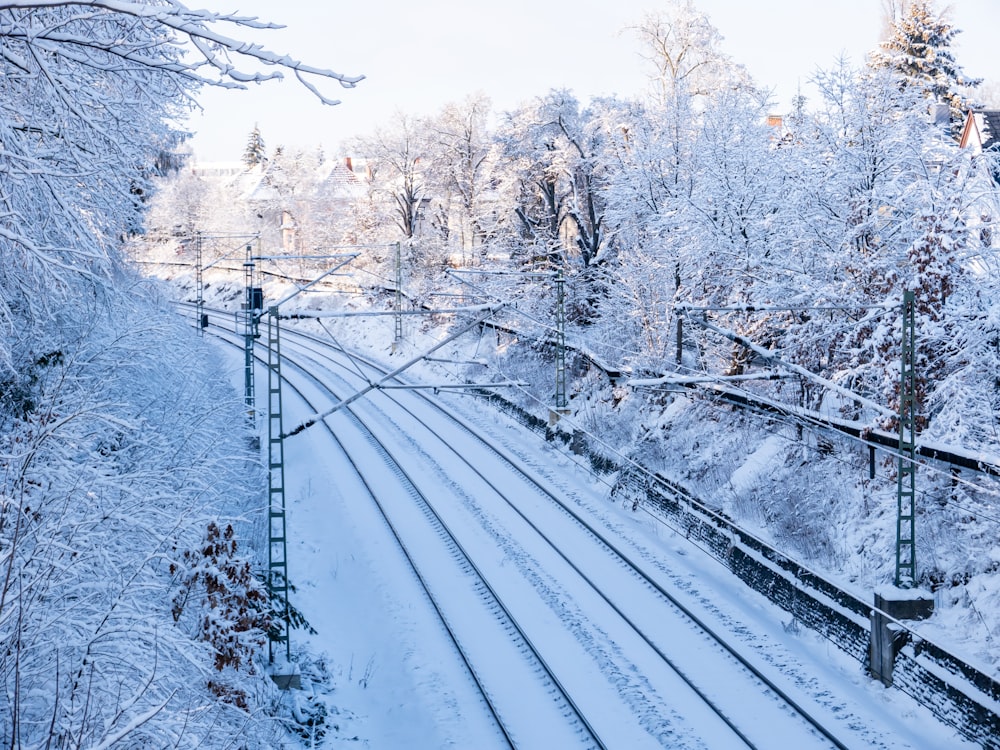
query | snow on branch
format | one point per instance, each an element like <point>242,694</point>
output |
<point>92,92</point>
<point>771,357</point>
<point>196,30</point>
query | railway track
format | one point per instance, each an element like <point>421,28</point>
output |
<point>484,634</point>
<point>626,627</point>
<point>615,578</point>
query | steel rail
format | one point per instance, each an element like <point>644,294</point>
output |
<point>446,534</point>
<point>619,556</point>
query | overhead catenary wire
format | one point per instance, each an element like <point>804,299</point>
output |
<point>793,420</point>
<point>876,312</point>
<point>547,328</point>
<point>353,360</point>
<point>784,308</point>
<point>885,449</point>
<point>772,357</point>
<point>804,418</point>
<point>799,417</point>
<point>310,421</point>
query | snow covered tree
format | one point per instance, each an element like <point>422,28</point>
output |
<point>683,47</point>
<point>395,157</point>
<point>585,142</point>
<point>640,266</point>
<point>875,200</point>
<point>531,185</point>
<point>736,204</point>
<point>551,178</point>
<point>655,148</point>
<point>962,404</point>
<point>256,152</point>
<point>179,207</point>
<point>97,383</point>
<point>652,174</point>
<point>459,139</point>
<point>90,88</point>
<point>918,50</point>
<point>856,161</point>
<point>736,226</point>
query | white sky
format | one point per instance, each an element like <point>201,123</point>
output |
<point>419,56</point>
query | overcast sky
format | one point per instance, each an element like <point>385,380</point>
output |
<point>419,56</point>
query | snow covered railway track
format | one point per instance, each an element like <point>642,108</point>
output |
<point>509,673</point>
<point>490,641</point>
<point>843,700</point>
<point>668,644</point>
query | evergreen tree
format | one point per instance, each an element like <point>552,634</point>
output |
<point>918,50</point>
<point>255,152</point>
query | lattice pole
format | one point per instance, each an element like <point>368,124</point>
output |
<point>560,342</point>
<point>398,308</point>
<point>199,282</point>
<point>249,335</point>
<point>906,555</point>
<point>277,560</point>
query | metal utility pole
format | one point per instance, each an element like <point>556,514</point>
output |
<point>277,536</point>
<point>560,341</point>
<point>398,308</point>
<point>252,305</point>
<point>906,562</point>
<point>199,283</point>
<point>277,557</point>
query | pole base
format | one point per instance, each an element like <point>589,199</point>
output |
<point>556,414</point>
<point>888,636</point>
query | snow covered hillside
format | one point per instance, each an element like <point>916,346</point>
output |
<point>122,451</point>
<point>130,610</point>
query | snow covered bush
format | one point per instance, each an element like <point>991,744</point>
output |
<point>230,605</point>
<point>124,451</point>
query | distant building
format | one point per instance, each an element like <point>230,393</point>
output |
<point>981,134</point>
<point>981,131</point>
<point>217,169</point>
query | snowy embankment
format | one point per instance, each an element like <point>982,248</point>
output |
<point>812,492</point>
<point>122,476</point>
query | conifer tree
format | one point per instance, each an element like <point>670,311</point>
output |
<point>918,50</point>
<point>255,152</point>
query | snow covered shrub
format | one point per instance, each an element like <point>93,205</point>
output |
<point>233,615</point>
<point>127,452</point>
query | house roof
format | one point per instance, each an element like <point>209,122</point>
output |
<point>339,173</point>
<point>981,130</point>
